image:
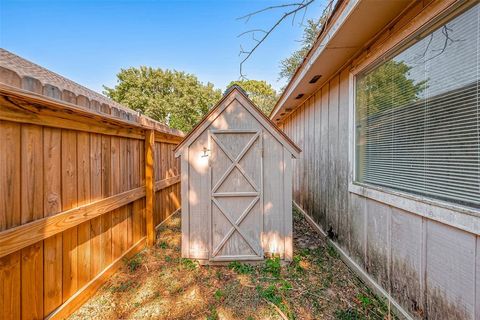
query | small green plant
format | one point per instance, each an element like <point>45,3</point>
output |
<point>189,264</point>
<point>218,274</point>
<point>295,265</point>
<point>135,263</point>
<point>348,314</point>
<point>163,245</point>
<point>366,301</point>
<point>241,268</point>
<point>213,314</point>
<point>332,251</point>
<point>219,294</point>
<point>304,252</point>
<point>271,294</point>
<point>122,287</point>
<point>273,266</point>
<point>285,285</point>
<point>318,256</point>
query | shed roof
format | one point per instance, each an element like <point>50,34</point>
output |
<point>235,92</point>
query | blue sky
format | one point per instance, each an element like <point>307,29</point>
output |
<point>89,41</point>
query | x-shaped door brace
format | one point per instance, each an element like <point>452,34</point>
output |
<point>236,224</point>
<point>235,162</point>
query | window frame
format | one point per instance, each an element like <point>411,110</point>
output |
<point>457,215</point>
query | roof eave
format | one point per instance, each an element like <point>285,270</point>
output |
<point>338,43</point>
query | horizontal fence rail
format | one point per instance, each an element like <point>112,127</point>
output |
<point>82,186</point>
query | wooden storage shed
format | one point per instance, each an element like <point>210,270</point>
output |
<point>236,173</point>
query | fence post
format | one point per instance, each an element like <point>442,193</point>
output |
<point>149,185</point>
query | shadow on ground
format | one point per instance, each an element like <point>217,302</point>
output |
<point>158,284</point>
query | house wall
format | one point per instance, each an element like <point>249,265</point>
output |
<point>277,208</point>
<point>424,254</point>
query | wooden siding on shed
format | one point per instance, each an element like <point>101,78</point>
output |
<point>198,231</point>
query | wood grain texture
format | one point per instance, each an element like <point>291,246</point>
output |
<point>58,188</point>
<point>21,236</point>
<point>452,252</point>
<point>332,181</point>
<point>84,197</point>
<point>32,209</point>
<point>24,112</point>
<point>52,203</point>
<point>70,200</point>
<point>234,205</point>
<point>86,292</point>
<point>342,163</point>
<point>95,195</point>
<point>149,186</point>
<point>10,216</point>
<point>324,158</point>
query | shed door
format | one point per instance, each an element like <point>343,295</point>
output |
<point>236,208</point>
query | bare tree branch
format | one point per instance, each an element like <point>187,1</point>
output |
<point>299,6</point>
<point>248,16</point>
<point>251,31</point>
<point>446,41</point>
<point>294,8</point>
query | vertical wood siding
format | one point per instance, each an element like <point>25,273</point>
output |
<point>46,171</point>
<point>267,161</point>
<point>430,268</point>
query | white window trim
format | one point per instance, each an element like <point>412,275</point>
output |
<point>458,216</point>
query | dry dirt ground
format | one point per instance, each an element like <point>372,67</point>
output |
<point>158,284</point>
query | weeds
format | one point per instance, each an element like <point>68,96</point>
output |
<point>332,251</point>
<point>348,314</point>
<point>315,285</point>
<point>189,264</point>
<point>219,294</point>
<point>295,266</point>
<point>270,293</point>
<point>162,245</point>
<point>273,267</point>
<point>122,287</point>
<point>241,268</point>
<point>135,263</point>
<point>365,301</point>
<point>213,314</point>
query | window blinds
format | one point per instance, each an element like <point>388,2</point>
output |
<point>418,116</point>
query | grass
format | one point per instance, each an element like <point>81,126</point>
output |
<point>135,263</point>
<point>158,283</point>
<point>241,268</point>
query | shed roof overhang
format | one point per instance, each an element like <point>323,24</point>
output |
<point>353,24</point>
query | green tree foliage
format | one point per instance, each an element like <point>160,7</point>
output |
<point>176,98</point>
<point>387,86</point>
<point>289,65</point>
<point>260,92</point>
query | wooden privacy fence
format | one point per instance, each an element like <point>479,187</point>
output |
<point>82,185</point>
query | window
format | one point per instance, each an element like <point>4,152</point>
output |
<point>417,115</point>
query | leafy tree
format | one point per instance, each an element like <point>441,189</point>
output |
<point>387,86</point>
<point>289,65</point>
<point>176,98</point>
<point>260,92</point>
